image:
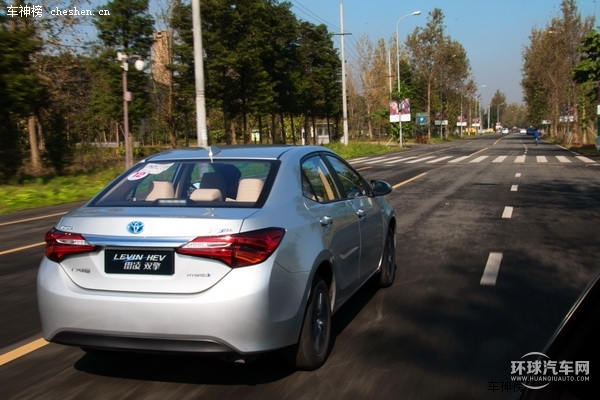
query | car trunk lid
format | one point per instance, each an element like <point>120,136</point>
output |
<point>135,249</point>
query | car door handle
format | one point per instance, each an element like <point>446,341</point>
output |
<point>326,220</point>
<point>361,213</point>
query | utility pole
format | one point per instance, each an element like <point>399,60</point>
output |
<point>398,72</point>
<point>199,75</point>
<point>598,120</point>
<point>344,101</point>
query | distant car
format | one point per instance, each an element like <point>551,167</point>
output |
<point>530,131</point>
<point>505,131</point>
<point>233,252</point>
<point>522,131</point>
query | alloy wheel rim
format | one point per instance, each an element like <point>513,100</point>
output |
<point>390,256</point>
<point>320,322</point>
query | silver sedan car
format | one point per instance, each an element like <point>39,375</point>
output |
<point>231,251</point>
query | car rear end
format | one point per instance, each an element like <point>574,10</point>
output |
<point>129,271</point>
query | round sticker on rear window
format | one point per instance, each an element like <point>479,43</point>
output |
<point>137,175</point>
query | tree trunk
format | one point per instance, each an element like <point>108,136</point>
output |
<point>260,128</point>
<point>283,136</point>
<point>293,131</point>
<point>232,132</point>
<point>245,137</point>
<point>36,162</point>
<point>273,129</point>
<point>429,108</point>
<point>229,130</point>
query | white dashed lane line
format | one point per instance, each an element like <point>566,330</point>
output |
<point>490,273</point>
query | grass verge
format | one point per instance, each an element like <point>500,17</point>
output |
<point>42,192</point>
<point>55,190</point>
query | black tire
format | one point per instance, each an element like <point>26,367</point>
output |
<point>387,273</point>
<point>313,347</point>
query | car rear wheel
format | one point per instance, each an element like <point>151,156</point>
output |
<point>387,274</point>
<point>313,346</point>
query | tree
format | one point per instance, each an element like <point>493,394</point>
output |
<point>588,68</point>
<point>261,63</point>
<point>424,44</point>
<point>67,77</point>
<point>182,66</point>
<point>587,74</point>
<point>497,106</point>
<point>59,151</point>
<point>550,92</point>
<point>23,93</point>
<point>129,28</point>
<point>440,63</point>
<point>317,76</point>
<point>373,80</point>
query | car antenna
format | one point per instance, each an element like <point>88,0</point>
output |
<point>211,153</point>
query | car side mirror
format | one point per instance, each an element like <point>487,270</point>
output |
<point>381,188</point>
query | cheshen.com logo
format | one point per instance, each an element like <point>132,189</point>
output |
<point>539,371</point>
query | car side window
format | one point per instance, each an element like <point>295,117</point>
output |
<point>353,184</point>
<point>317,182</point>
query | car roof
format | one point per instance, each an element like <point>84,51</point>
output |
<point>235,151</point>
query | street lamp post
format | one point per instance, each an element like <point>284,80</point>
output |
<point>598,120</point>
<point>480,113</point>
<point>498,114</point>
<point>398,68</point>
<point>127,97</point>
<point>461,116</point>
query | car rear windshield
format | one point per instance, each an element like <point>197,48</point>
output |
<point>187,183</point>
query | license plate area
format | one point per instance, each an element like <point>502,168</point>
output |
<point>139,261</point>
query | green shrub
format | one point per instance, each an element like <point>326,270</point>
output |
<point>41,192</point>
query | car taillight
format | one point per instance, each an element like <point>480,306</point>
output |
<point>60,244</point>
<point>238,250</point>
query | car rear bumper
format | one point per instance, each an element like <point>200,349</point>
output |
<point>141,344</point>
<point>251,310</point>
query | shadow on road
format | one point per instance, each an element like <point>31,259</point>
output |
<point>208,370</point>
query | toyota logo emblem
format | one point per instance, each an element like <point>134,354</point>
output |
<point>135,227</point>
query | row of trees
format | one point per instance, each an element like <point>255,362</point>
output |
<point>560,74</point>
<point>265,71</point>
<point>435,75</point>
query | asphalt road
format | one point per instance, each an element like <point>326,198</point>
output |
<point>497,238</point>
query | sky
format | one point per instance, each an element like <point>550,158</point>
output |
<point>493,33</point>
